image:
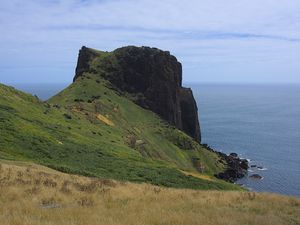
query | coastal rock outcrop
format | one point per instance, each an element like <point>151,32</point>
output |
<point>256,176</point>
<point>236,167</point>
<point>153,76</point>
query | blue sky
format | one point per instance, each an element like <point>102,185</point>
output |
<point>232,41</point>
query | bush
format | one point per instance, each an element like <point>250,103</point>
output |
<point>67,116</point>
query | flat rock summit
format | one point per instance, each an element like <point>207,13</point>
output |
<point>152,76</point>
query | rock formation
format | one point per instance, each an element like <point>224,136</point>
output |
<point>236,168</point>
<point>153,76</point>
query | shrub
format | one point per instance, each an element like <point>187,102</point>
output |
<point>67,116</point>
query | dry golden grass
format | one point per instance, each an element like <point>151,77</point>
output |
<point>105,120</point>
<point>198,175</point>
<point>36,195</point>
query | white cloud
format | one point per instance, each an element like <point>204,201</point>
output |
<point>203,33</point>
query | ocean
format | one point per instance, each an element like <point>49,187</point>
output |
<point>259,122</point>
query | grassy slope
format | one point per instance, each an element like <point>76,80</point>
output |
<point>92,130</point>
<point>44,133</point>
<point>35,195</point>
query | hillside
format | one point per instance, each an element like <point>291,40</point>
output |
<point>96,129</point>
<point>150,77</point>
<point>36,195</point>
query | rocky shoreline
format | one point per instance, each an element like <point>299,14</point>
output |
<point>236,167</point>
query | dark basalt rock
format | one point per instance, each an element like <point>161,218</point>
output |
<point>189,113</point>
<point>154,77</point>
<point>84,57</point>
<point>256,176</point>
<point>236,167</point>
<point>233,154</point>
<point>244,164</point>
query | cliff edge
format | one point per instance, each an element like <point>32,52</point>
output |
<point>152,76</point>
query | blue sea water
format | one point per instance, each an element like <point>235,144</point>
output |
<point>43,90</point>
<point>259,122</point>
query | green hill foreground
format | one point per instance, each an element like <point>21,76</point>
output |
<point>93,129</point>
<point>89,129</point>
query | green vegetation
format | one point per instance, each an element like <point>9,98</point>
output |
<point>91,129</point>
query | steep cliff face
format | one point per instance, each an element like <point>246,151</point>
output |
<point>152,75</point>
<point>85,56</point>
<point>189,113</point>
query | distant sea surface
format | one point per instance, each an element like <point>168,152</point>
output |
<point>259,122</point>
<point>43,91</point>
